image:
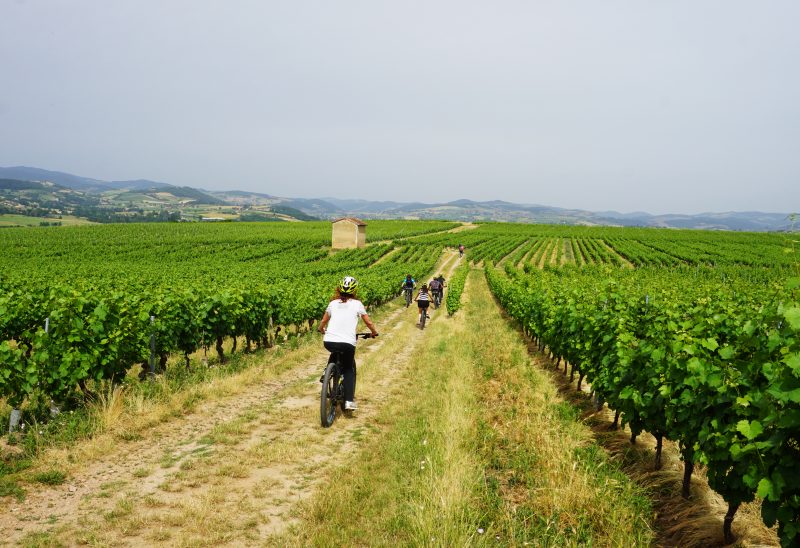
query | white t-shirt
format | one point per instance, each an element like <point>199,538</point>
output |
<point>344,320</point>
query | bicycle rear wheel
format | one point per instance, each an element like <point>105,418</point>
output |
<point>327,398</point>
<point>422,318</point>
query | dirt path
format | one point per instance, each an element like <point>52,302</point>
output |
<point>230,472</point>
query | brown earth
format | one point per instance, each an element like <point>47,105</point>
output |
<point>231,471</point>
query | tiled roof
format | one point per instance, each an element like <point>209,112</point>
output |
<point>353,220</point>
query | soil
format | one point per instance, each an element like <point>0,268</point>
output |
<point>182,460</point>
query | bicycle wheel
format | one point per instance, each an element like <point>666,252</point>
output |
<point>422,318</point>
<point>408,298</point>
<point>327,398</point>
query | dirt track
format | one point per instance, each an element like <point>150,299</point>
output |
<point>231,471</point>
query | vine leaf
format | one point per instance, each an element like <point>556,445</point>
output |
<point>750,430</point>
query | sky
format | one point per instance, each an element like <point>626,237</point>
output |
<point>683,106</point>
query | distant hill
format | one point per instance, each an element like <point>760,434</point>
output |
<point>243,198</point>
<point>96,186</point>
<point>146,194</point>
<point>42,198</point>
<point>138,184</point>
<point>64,179</point>
<point>498,210</point>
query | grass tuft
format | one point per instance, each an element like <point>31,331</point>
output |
<point>50,477</point>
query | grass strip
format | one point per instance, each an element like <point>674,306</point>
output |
<point>547,482</point>
<point>479,450</point>
<point>413,483</point>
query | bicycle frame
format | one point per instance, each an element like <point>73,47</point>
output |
<point>332,393</point>
<point>408,293</point>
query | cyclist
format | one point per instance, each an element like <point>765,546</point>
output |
<point>423,302</point>
<point>435,287</point>
<point>408,286</point>
<point>460,250</point>
<point>338,325</point>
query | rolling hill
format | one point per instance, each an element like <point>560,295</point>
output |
<point>143,194</point>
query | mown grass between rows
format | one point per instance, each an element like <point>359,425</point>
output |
<point>481,450</point>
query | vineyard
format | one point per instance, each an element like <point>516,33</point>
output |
<point>691,336</point>
<point>85,305</point>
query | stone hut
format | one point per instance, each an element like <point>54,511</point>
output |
<point>349,232</point>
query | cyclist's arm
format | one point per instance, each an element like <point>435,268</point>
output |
<point>369,324</point>
<point>324,323</point>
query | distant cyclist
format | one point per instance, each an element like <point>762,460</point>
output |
<point>436,288</point>
<point>339,327</point>
<point>460,250</point>
<point>408,286</point>
<point>423,301</point>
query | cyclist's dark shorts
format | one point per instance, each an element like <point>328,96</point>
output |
<point>423,304</point>
<point>348,352</point>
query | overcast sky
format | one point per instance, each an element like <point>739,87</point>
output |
<point>658,106</point>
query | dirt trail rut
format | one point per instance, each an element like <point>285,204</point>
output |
<point>232,471</point>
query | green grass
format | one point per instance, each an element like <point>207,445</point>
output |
<point>548,482</point>
<point>40,540</point>
<point>479,450</point>
<point>10,488</point>
<point>50,477</point>
<point>9,220</point>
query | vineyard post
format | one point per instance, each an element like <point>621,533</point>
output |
<point>54,409</point>
<point>152,348</point>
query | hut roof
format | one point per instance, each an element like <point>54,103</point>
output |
<point>357,222</point>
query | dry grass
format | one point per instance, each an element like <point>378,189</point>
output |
<point>679,522</point>
<point>486,454</point>
<point>130,416</point>
<point>109,408</point>
<point>548,483</point>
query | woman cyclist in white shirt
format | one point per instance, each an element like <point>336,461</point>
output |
<point>339,328</point>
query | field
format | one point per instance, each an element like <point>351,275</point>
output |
<point>582,386</point>
<point>7,220</point>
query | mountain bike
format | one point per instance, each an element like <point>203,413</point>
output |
<point>437,298</point>
<point>332,393</point>
<point>408,293</point>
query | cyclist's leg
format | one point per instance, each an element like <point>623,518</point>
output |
<point>333,348</point>
<point>331,358</point>
<point>349,371</point>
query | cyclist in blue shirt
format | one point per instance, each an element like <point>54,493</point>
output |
<point>408,286</point>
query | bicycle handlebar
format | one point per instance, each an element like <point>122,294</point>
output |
<point>365,335</point>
